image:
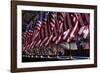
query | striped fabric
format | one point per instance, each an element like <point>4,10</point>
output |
<point>55,27</point>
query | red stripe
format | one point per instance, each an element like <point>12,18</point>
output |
<point>35,35</point>
<point>58,39</point>
<point>71,16</point>
<point>43,41</point>
<point>45,28</point>
<point>72,34</point>
<point>85,33</point>
<point>65,25</point>
<point>67,37</point>
<point>74,31</point>
<point>42,34</point>
<point>60,21</point>
<point>49,39</point>
<point>84,19</point>
<point>38,25</point>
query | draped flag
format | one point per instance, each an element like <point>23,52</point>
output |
<point>73,24</point>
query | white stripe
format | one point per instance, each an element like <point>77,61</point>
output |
<point>49,40</point>
<point>38,28</point>
<point>52,24</point>
<point>43,41</point>
<point>66,34</point>
<point>34,44</point>
<point>39,24</point>
<point>74,18</point>
<point>53,20</point>
<point>75,27</point>
<point>57,41</point>
<point>61,25</point>
<point>86,31</point>
<point>81,30</point>
<point>68,39</point>
<point>38,42</point>
<point>35,36</point>
<point>54,38</point>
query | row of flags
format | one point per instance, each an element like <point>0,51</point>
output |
<point>55,27</point>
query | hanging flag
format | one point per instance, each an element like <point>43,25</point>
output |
<point>85,32</point>
<point>45,30</point>
<point>84,29</point>
<point>70,34</point>
<point>60,21</point>
<point>83,15</point>
<point>52,19</point>
<point>51,25</point>
<point>75,23</point>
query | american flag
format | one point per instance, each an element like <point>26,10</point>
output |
<point>73,24</point>
<point>60,24</point>
<point>74,20</point>
<point>44,31</point>
<point>51,19</point>
<point>60,21</point>
<point>84,29</point>
<point>49,27</point>
<point>56,27</point>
